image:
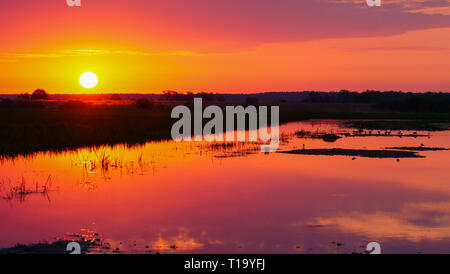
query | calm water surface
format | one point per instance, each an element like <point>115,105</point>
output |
<point>200,197</point>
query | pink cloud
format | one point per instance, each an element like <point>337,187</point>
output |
<point>184,24</point>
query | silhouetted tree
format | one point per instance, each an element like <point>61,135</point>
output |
<point>172,95</point>
<point>39,94</point>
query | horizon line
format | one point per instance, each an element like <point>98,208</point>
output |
<point>225,92</point>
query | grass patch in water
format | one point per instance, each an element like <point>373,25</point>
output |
<point>355,153</point>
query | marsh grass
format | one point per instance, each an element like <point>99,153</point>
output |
<point>24,131</point>
<point>396,125</point>
<point>231,149</point>
<point>331,136</point>
<point>70,126</point>
<point>420,148</point>
<point>103,165</point>
<point>325,136</point>
<point>356,153</point>
<point>23,189</point>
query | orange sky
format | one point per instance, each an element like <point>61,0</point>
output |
<point>224,46</point>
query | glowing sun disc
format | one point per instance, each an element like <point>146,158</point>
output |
<point>88,80</point>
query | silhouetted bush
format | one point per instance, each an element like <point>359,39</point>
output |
<point>23,97</point>
<point>73,104</point>
<point>253,101</point>
<point>144,104</point>
<point>20,103</point>
<point>115,97</point>
<point>6,103</point>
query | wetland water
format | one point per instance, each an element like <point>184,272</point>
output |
<point>193,197</point>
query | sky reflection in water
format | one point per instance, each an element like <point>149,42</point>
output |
<point>192,197</point>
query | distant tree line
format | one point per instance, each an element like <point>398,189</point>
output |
<point>26,100</point>
<point>170,95</point>
<point>388,100</point>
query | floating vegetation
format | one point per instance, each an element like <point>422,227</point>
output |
<point>421,148</point>
<point>233,149</point>
<point>57,247</point>
<point>327,137</point>
<point>385,133</point>
<point>394,125</point>
<point>89,241</point>
<point>88,185</point>
<point>356,153</point>
<point>103,165</point>
<point>23,189</point>
<point>332,137</point>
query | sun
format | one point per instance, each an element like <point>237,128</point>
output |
<point>88,80</point>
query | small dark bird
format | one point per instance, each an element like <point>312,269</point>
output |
<point>398,160</point>
<point>354,158</point>
<point>421,145</point>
